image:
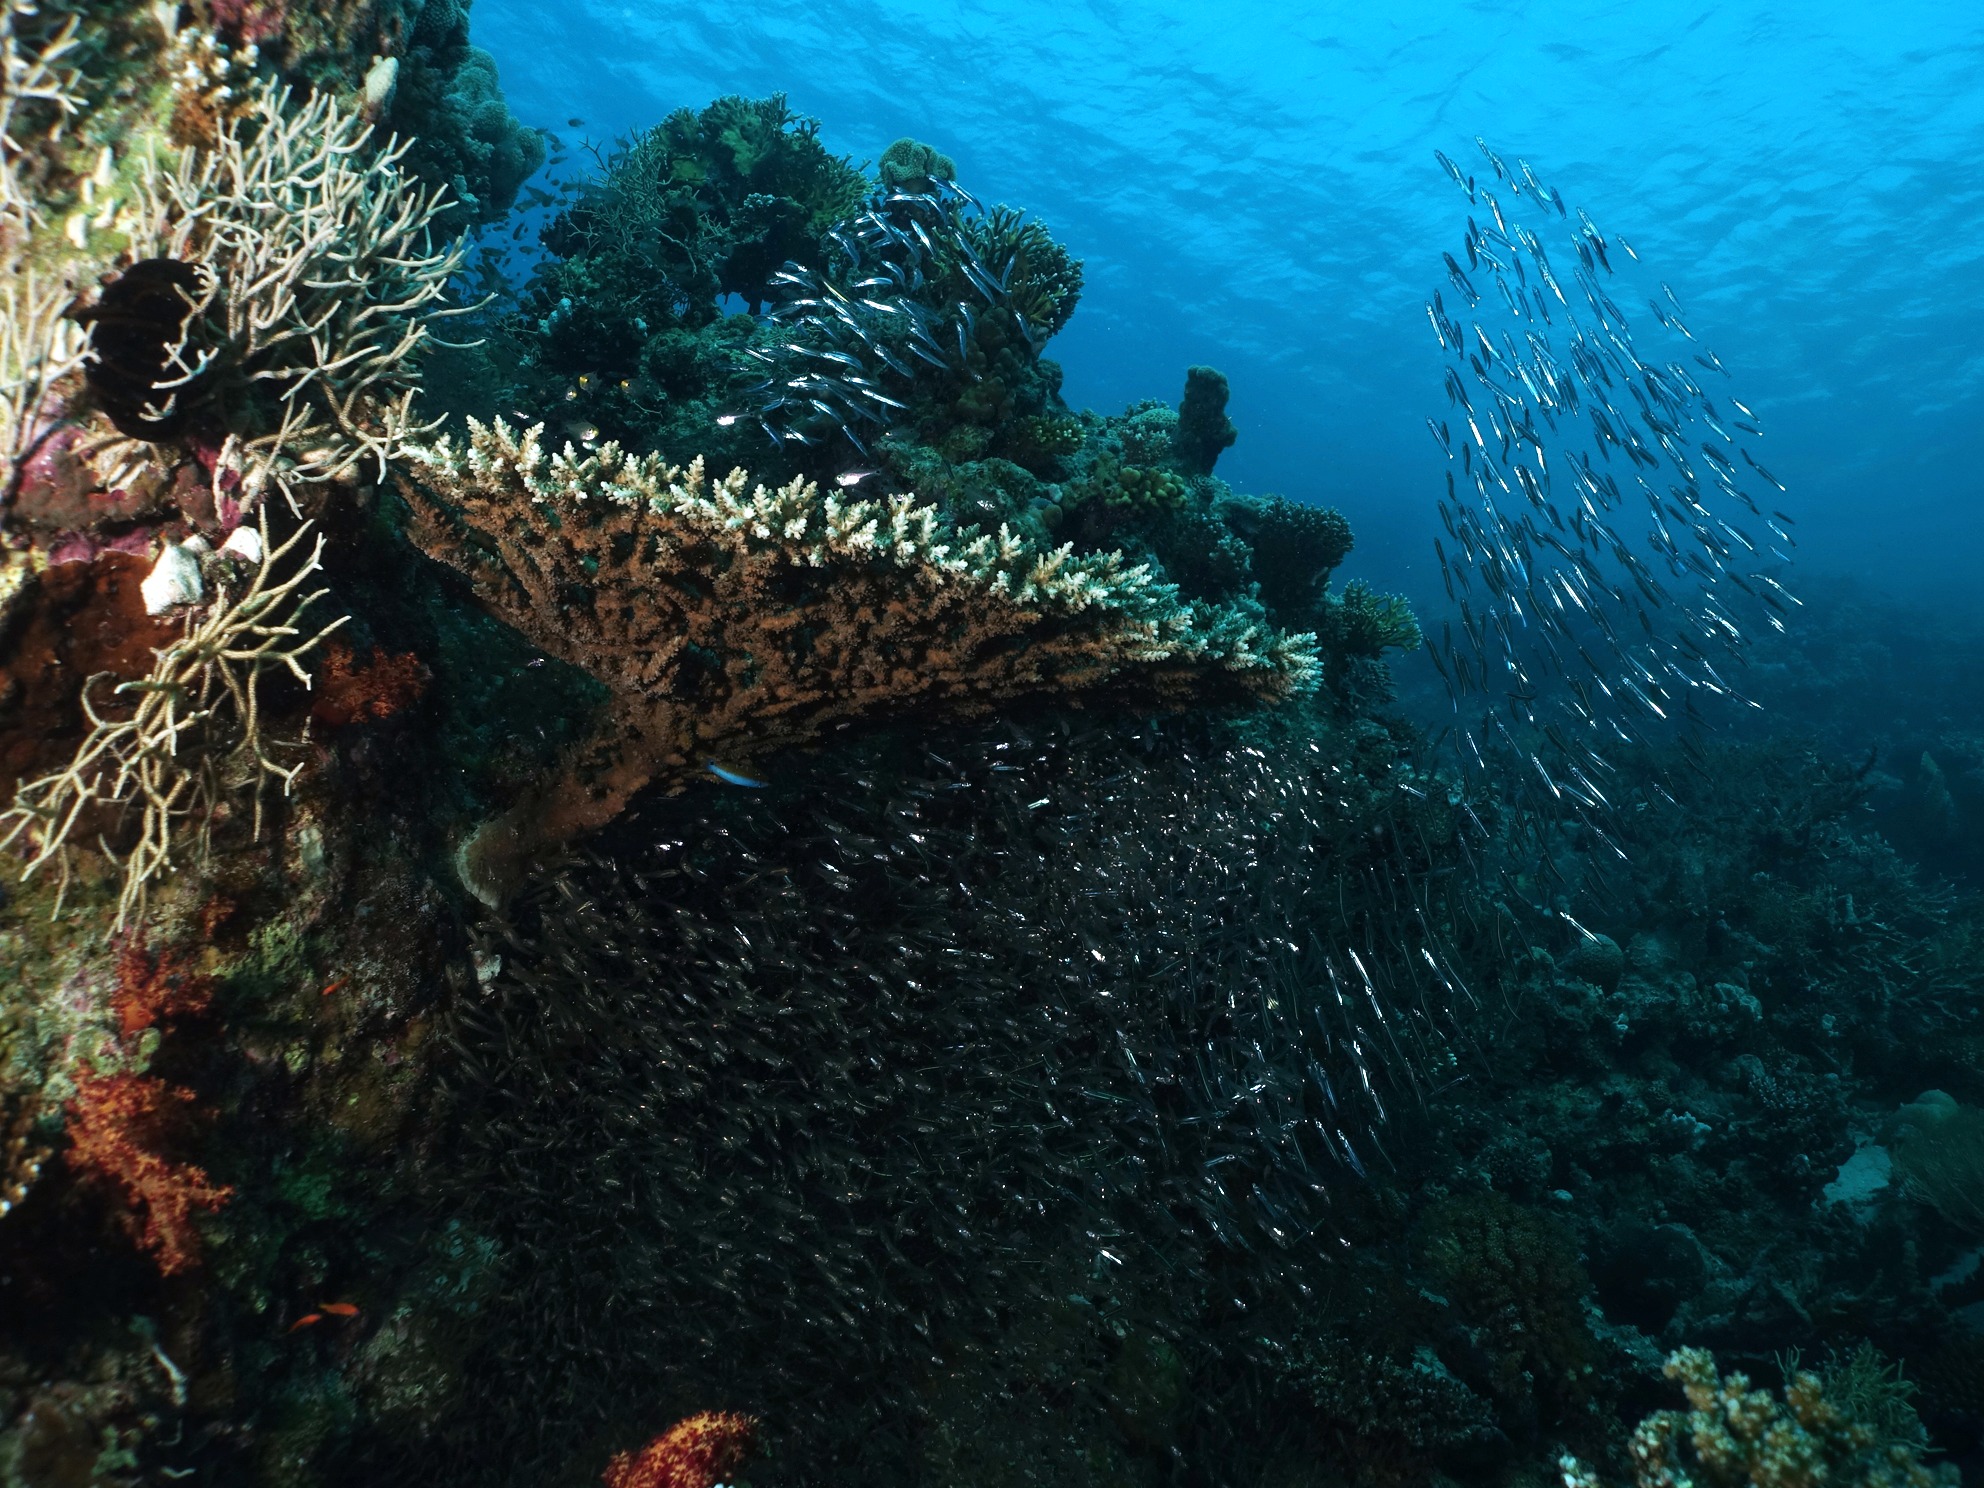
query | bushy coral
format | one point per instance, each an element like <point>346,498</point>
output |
<point>1387,1415</point>
<point>1732,1436</point>
<point>1512,1273</point>
<point>697,1452</point>
<point>121,1127</point>
<point>1138,492</point>
<point>1296,547</point>
<point>910,165</point>
<point>1940,1157</point>
<point>704,204</point>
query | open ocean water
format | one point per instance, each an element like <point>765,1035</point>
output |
<point>1254,186</point>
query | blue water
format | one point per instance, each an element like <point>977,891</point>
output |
<point>1254,187</point>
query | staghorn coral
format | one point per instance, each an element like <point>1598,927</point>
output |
<point>118,1126</point>
<point>38,96</point>
<point>698,1452</point>
<point>1734,1437</point>
<point>311,281</point>
<point>728,621</point>
<point>193,735</point>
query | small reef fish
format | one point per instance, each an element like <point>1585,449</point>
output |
<point>1633,621</point>
<point>732,777</point>
<point>859,312</point>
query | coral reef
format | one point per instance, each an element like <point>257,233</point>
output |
<point>944,1013</point>
<point>728,621</point>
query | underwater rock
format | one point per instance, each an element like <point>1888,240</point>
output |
<point>1203,427</point>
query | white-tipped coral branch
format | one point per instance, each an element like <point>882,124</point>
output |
<point>170,747</point>
<point>727,619</point>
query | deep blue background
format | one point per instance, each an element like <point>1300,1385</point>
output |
<point>1254,186</point>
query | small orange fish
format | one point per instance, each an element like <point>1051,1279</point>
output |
<point>306,1320</point>
<point>340,1309</point>
<point>333,986</point>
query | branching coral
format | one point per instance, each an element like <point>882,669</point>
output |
<point>315,281</point>
<point>39,347</point>
<point>1734,1437</point>
<point>118,1126</point>
<point>193,734</point>
<point>727,621</point>
<point>38,96</point>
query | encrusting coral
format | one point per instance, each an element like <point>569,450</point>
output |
<point>727,621</point>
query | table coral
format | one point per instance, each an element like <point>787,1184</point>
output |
<point>728,621</point>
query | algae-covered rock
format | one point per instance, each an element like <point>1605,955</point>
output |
<point>1204,430</point>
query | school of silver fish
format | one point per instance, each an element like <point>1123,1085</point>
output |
<point>1579,629</point>
<point>860,328</point>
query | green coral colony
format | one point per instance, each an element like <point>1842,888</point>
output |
<point>685,835</point>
